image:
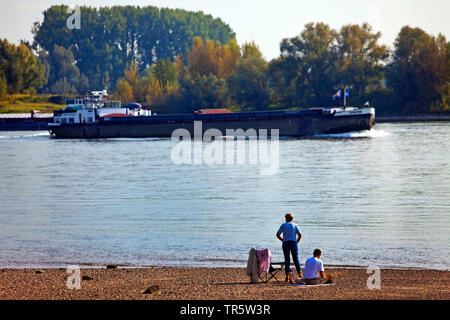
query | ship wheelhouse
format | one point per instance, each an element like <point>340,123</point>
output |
<point>88,110</point>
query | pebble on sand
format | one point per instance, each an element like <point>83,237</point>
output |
<point>152,290</point>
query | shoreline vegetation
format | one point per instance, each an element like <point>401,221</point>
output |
<point>25,103</point>
<point>179,61</point>
<point>425,117</point>
<point>183,283</point>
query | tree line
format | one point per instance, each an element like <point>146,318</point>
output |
<point>110,38</point>
<point>412,78</point>
<point>180,61</point>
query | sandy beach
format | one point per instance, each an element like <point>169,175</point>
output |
<point>216,284</point>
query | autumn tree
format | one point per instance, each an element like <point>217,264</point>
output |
<point>128,87</point>
<point>20,69</point>
<point>160,83</point>
<point>132,74</point>
<point>207,57</point>
<point>360,59</point>
<point>249,83</point>
<point>230,55</point>
<point>201,58</point>
<point>3,85</point>
<point>124,91</point>
<point>203,80</point>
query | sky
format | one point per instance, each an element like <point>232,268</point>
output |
<point>266,22</point>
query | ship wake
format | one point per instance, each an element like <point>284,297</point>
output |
<point>355,134</point>
<point>24,135</point>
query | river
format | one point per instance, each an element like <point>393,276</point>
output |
<point>370,198</point>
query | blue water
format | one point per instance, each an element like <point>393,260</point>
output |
<point>369,198</point>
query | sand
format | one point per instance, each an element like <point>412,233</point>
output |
<point>216,284</point>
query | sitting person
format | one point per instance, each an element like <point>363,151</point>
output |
<point>313,269</point>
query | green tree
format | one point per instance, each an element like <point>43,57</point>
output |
<point>311,58</point>
<point>419,72</point>
<point>202,92</point>
<point>251,49</point>
<point>160,85</point>
<point>313,65</point>
<point>111,37</point>
<point>3,85</point>
<point>249,84</point>
<point>165,72</point>
<point>361,60</point>
<point>62,72</point>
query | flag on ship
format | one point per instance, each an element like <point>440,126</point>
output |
<point>337,95</point>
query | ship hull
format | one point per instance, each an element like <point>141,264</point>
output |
<point>288,123</point>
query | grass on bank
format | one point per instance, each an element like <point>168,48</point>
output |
<point>25,103</point>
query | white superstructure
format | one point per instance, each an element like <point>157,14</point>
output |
<point>87,110</point>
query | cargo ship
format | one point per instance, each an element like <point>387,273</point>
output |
<point>25,121</point>
<point>97,118</point>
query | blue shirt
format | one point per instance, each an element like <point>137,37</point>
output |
<point>289,231</point>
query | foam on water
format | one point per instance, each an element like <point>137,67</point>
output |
<point>25,135</point>
<point>356,134</point>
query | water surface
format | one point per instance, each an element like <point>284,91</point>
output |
<point>380,197</point>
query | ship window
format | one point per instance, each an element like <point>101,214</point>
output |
<point>89,119</point>
<point>71,120</point>
<point>63,120</point>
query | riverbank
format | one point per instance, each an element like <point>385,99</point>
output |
<point>25,103</point>
<point>428,117</point>
<point>216,284</point>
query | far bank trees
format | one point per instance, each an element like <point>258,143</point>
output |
<point>20,70</point>
<point>180,61</point>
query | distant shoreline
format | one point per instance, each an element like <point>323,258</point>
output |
<point>440,117</point>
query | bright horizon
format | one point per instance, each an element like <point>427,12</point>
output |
<point>265,22</point>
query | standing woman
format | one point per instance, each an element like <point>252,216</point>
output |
<point>291,238</point>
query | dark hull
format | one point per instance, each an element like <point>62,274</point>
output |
<point>289,123</point>
<point>24,124</point>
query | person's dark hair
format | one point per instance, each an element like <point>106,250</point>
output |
<point>317,253</point>
<point>289,217</point>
